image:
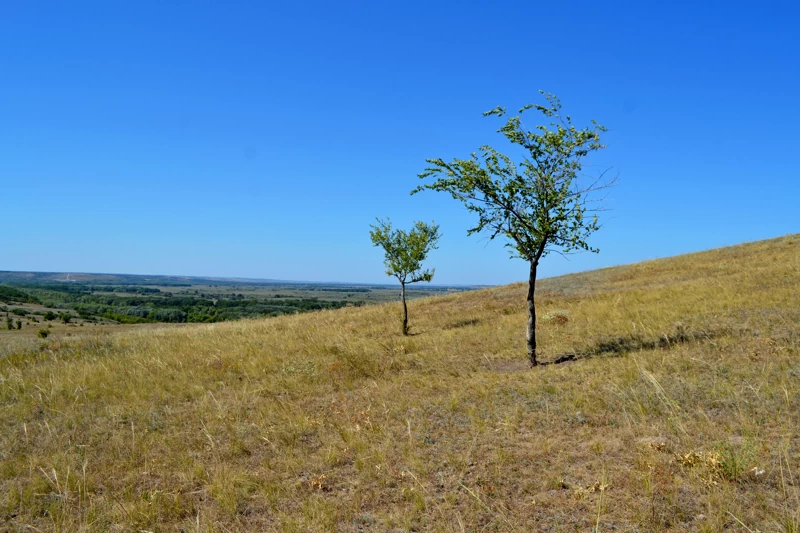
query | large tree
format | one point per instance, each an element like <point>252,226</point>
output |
<point>404,253</point>
<point>540,205</point>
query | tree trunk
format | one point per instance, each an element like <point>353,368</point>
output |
<point>405,308</point>
<point>531,336</point>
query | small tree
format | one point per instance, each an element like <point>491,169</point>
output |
<point>19,324</point>
<point>65,317</point>
<point>9,322</point>
<point>405,252</point>
<point>539,206</point>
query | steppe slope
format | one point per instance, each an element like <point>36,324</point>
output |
<point>679,414</point>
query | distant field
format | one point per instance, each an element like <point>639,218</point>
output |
<point>679,412</point>
<point>353,293</point>
<point>45,300</point>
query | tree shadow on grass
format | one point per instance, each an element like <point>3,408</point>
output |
<point>621,345</point>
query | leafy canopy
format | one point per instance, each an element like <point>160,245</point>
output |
<point>539,204</point>
<point>405,251</point>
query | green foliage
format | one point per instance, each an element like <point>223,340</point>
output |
<point>167,315</point>
<point>164,307</point>
<point>50,316</point>
<point>10,294</point>
<point>43,333</point>
<point>65,317</point>
<point>734,462</point>
<point>19,312</point>
<point>9,322</point>
<point>538,205</point>
<point>125,319</point>
<point>405,251</point>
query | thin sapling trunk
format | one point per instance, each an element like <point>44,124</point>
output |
<point>405,307</point>
<point>531,336</point>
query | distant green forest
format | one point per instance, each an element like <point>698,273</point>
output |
<point>12,295</point>
<point>133,299</point>
<point>137,304</point>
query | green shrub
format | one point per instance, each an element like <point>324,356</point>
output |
<point>735,461</point>
<point>43,333</point>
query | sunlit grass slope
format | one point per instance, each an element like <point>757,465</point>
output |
<point>680,413</point>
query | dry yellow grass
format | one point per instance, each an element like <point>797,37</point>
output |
<point>681,413</point>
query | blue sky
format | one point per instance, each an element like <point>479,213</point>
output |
<point>257,139</point>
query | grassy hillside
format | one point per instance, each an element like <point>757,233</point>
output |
<point>681,413</point>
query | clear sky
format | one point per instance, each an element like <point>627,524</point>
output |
<point>261,139</point>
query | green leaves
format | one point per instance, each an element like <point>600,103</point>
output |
<point>405,251</point>
<point>539,204</point>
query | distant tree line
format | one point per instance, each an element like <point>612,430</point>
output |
<point>13,295</point>
<point>75,288</point>
<point>132,305</point>
<point>338,289</point>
